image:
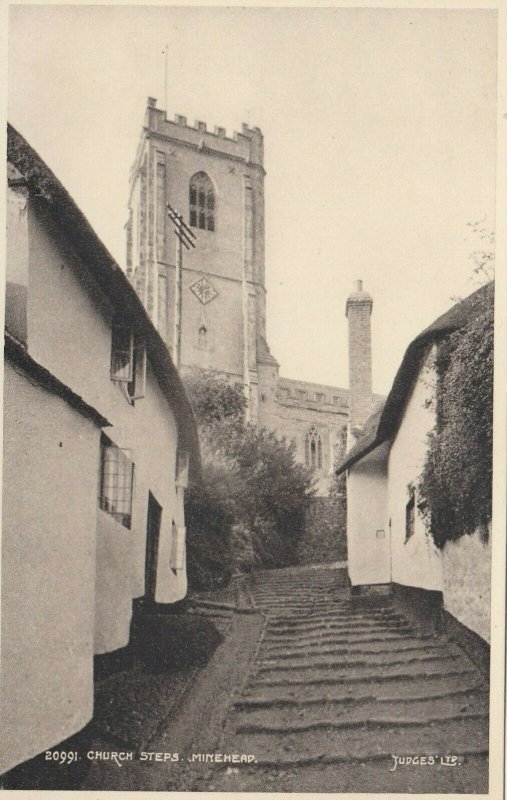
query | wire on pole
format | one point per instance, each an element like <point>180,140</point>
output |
<point>181,229</point>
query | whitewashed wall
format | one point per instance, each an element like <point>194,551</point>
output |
<point>69,333</point>
<point>415,562</point>
<point>48,569</point>
<point>367,548</point>
<point>467,582</point>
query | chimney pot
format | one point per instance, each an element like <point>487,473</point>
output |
<point>152,102</point>
<point>358,286</point>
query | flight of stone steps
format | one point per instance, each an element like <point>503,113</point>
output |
<point>337,683</point>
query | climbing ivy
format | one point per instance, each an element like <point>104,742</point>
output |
<point>456,483</point>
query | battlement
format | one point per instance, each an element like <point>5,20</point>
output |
<point>246,145</point>
<point>312,394</point>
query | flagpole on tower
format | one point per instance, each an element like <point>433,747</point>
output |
<point>166,49</point>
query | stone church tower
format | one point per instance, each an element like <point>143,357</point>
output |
<point>217,184</point>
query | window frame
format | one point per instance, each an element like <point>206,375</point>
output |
<point>410,511</point>
<point>107,501</point>
<point>314,454</point>
<point>202,202</point>
<point>136,357</point>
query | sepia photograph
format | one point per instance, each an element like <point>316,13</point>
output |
<point>248,508</point>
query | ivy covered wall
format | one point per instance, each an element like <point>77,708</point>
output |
<point>456,482</point>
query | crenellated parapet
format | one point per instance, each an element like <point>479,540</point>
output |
<point>247,145</point>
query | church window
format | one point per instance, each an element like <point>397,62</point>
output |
<point>202,202</point>
<point>313,449</point>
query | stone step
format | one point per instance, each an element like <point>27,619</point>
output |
<point>357,660</point>
<point>327,592</point>
<point>416,670</point>
<point>334,623</point>
<point>331,744</point>
<point>329,612</point>
<point>372,649</point>
<point>338,637</point>
<point>412,711</point>
<point>404,689</point>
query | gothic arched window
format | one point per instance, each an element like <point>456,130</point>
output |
<point>313,449</point>
<point>202,202</point>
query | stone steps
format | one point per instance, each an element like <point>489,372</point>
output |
<point>401,689</point>
<point>290,627</point>
<point>331,744</point>
<point>368,648</point>
<point>356,660</point>
<point>337,637</point>
<point>334,682</point>
<point>411,671</point>
<point>354,712</point>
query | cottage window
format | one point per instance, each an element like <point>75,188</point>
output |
<point>128,360</point>
<point>410,514</point>
<point>182,464</point>
<point>313,449</point>
<point>122,353</point>
<point>202,202</point>
<point>116,481</point>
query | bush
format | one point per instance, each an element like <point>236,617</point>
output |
<point>209,517</point>
<point>254,492</point>
<point>456,482</point>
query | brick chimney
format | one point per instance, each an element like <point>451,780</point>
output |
<point>358,312</point>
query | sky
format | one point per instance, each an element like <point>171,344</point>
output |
<point>379,133</point>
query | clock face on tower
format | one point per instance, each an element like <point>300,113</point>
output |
<point>204,291</point>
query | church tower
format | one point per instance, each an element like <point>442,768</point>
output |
<point>217,184</point>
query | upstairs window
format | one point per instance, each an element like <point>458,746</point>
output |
<point>182,465</point>
<point>202,202</point>
<point>128,360</point>
<point>116,481</point>
<point>313,449</point>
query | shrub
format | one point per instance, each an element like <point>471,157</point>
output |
<point>253,488</point>
<point>209,516</point>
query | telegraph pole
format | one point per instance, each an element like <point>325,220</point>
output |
<point>184,237</point>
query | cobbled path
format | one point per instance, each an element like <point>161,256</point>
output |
<point>336,689</point>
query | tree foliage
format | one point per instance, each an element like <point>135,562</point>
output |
<point>254,495</point>
<point>456,482</point>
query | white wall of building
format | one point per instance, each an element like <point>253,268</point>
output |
<point>367,534</point>
<point>48,569</point>
<point>69,332</point>
<point>467,582</point>
<point>415,562</point>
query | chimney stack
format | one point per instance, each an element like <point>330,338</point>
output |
<point>358,312</point>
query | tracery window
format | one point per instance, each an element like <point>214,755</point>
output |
<point>202,202</point>
<point>313,449</point>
